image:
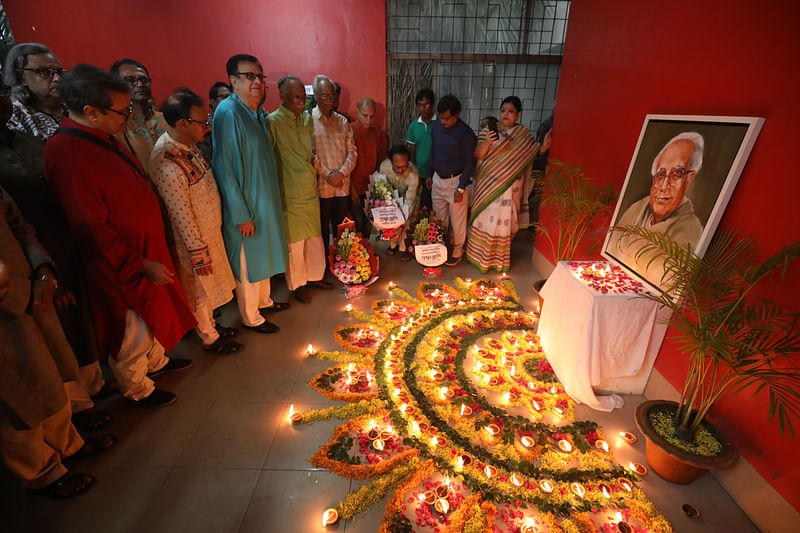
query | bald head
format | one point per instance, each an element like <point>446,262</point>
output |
<point>292,93</point>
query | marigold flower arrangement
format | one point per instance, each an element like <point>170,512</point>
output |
<point>352,259</point>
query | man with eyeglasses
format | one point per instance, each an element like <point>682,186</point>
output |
<point>252,214</point>
<point>187,186</point>
<point>33,73</point>
<point>146,124</point>
<point>667,209</point>
<point>138,309</point>
<point>404,176</point>
<point>334,158</point>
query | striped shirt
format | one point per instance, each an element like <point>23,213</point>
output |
<point>334,150</point>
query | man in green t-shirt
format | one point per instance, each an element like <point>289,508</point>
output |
<point>419,141</point>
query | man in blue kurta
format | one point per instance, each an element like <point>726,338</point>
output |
<point>252,216</point>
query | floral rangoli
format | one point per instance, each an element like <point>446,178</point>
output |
<point>455,412</point>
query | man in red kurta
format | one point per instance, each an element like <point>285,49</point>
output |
<point>116,219</point>
<point>371,145</point>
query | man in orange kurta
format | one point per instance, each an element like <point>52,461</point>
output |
<point>371,145</point>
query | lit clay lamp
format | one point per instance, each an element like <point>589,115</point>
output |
<point>311,351</point>
<point>625,483</point>
<point>628,437</point>
<point>577,489</point>
<point>294,417</point>
<point>516,480</point>
<point>466,410</point>
<point>565,446</point>
<point>464,460</point>
<point>639,468</point>
<point>547,486</point>
<point>529,526</point>
<point>602,446</point>
<point>491,433</point>
<point>489,471</point>
<point>605,488</point>
<point>330,517</point>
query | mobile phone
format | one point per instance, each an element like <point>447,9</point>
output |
<point>491,123</point>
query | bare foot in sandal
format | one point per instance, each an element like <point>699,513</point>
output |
<point>94,445</point>
<point>68,485</point>
<point>91,419</point>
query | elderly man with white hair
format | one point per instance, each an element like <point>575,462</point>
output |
<point>667,209</point>
<point>334,156</point>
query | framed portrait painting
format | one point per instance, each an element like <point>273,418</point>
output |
<point>682,175</point>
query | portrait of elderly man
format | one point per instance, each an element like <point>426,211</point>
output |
<point>667,209</point>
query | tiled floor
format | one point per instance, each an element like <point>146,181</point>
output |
<point>223,459</point>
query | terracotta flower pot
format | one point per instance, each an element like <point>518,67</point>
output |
<point>672,463</point>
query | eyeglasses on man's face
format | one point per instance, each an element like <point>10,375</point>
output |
<point>674,176</point>
<point>46,73</point>
<point>133,81</point>
<point>206,123</point>
<point>251,76</point>
<point>125,114</point>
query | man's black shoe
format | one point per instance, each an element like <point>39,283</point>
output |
<point>173,365</point>
<point>453,261</point>
<point>301,294</point>
<point>276,307</point>
<point>320,284</point>
<point>157,398</point>
<point>264,327</point>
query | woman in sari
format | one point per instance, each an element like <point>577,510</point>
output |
<point>504,165</point>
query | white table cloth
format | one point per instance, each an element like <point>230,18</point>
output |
<point>598,342</point>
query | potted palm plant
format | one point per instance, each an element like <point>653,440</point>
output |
<point>735,341</point>
<point>574,201</point>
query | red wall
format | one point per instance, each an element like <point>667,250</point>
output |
<point>188,43</point>
<point>625,59</point>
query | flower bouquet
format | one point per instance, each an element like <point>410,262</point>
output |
<point>384,206</point>
<point>428,245</point>
<point>352,260</point>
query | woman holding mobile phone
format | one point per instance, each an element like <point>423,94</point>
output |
<point>505,152</point>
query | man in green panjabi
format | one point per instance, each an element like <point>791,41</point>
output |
<point>244,166</point>
<point>291,129</point>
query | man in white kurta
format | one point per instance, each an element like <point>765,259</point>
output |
<point>187,186</point>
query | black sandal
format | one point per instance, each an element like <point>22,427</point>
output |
<point>68,485</point>
<point>225,332</point>
<point>224,346</point>
<point>391,251</point>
